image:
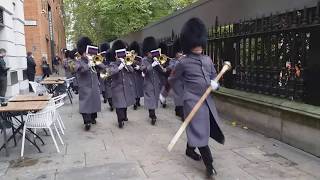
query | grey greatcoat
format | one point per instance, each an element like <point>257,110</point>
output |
<point>122,86</point>
<point>66,68</point>
<point>138,82</point>
<point>177,86</point>
<point>196,72</point>
<point>105,84</point>
<point>89,93</point>
<point>152,83</point>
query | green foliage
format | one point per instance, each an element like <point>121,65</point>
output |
<point>105,20</point>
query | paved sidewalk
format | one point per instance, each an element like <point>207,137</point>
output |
<point>139,152</point>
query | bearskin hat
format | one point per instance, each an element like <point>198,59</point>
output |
<point>82,44</point>
<point>135,47</point>
<point>72,54</point>
<point>66,53</point>
<point>149,44</point>
<point>118,44</point>
<point>109,56</point>
<point>193,34</point>
<point>177,47</point>
<point>164,48</point>
<point>104,47</point>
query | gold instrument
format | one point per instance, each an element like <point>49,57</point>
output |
<point>130,58</point>
<point>97,59</point>
<point>163,59</point>
<point>72,66</point>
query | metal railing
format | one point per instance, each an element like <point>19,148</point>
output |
<point>270,54</point>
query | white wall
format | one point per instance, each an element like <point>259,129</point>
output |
<point>12,38</point>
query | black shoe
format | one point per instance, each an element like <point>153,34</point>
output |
<point>211,171</point>
<point>153,121</point>
<point>87,127</point>
<point>138,104</point>
<point>126,119</point>
<point>111,109</point>
<point>121,124</point>
<point>105,101</point>
<point>94,121</point>
<point>193,155</point>
<point>135,107</point>
<point>76,92</point>
<point>164,105</point>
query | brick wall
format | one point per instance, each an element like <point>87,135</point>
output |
<point>38,36</point>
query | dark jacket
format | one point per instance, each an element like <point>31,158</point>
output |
<point>31,66</point>
<point>3,69</point>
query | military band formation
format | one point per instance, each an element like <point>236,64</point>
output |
<point>125,74</point>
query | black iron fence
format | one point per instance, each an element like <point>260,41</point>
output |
<point>276,55</point>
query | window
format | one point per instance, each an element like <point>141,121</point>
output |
<point>1,17</point>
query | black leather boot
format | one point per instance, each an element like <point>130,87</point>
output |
<point>87,126</point>
<point>208,161</point>
<point>120,124</point>
<point>191,153</point>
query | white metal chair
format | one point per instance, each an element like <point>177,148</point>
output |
<point>38,88</point>
<point>55,103</point>
<point>41,120</point>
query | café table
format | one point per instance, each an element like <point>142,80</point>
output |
<point>25,98</point>
<point>52,84</point>
<point>52,78</point>
<point>14,109</point>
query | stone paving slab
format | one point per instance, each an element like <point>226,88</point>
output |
<point>109,171</point>
<point>107,152</point>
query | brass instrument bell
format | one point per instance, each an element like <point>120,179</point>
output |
<point>130,58</point>
<point>163,59</point>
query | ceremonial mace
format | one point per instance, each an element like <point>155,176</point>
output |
<point>226,67</point>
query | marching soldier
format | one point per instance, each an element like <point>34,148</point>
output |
<point>165,86</point>
<point>152,80</point>
<point>122,87</point>
<point>105,84</point>
<point>196,71</point>
<point>138,79</point>
<point>66,62</point>
<point>72,56</point>
<point>89,93</point>
<point>178,86</point>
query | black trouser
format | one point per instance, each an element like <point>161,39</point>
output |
<point>3,87</point>
<point>88,118</point>
<point>45,75</point>
<point>152,114</point>
<point>205,154</point>
<point>110,102</point>
<point>137,101</point>
<point>179,111</point>
<point>121,114</point>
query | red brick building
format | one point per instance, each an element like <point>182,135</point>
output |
<point>44,29</point>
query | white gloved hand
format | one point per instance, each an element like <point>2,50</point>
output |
<point>121,66</point>
<point>155,63</point>
<point>122,60</point>
<point>91,64</point>
<point>214,85</point>
<point>143,75</point>
<point>162,99</point>
<point>137,67</point>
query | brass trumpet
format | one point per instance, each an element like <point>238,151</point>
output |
<point>130,58</point>
<point>97,59</point>
<point>163,59</point>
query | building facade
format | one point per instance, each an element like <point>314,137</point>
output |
<point>12,38</point>
<point>45,33</point>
